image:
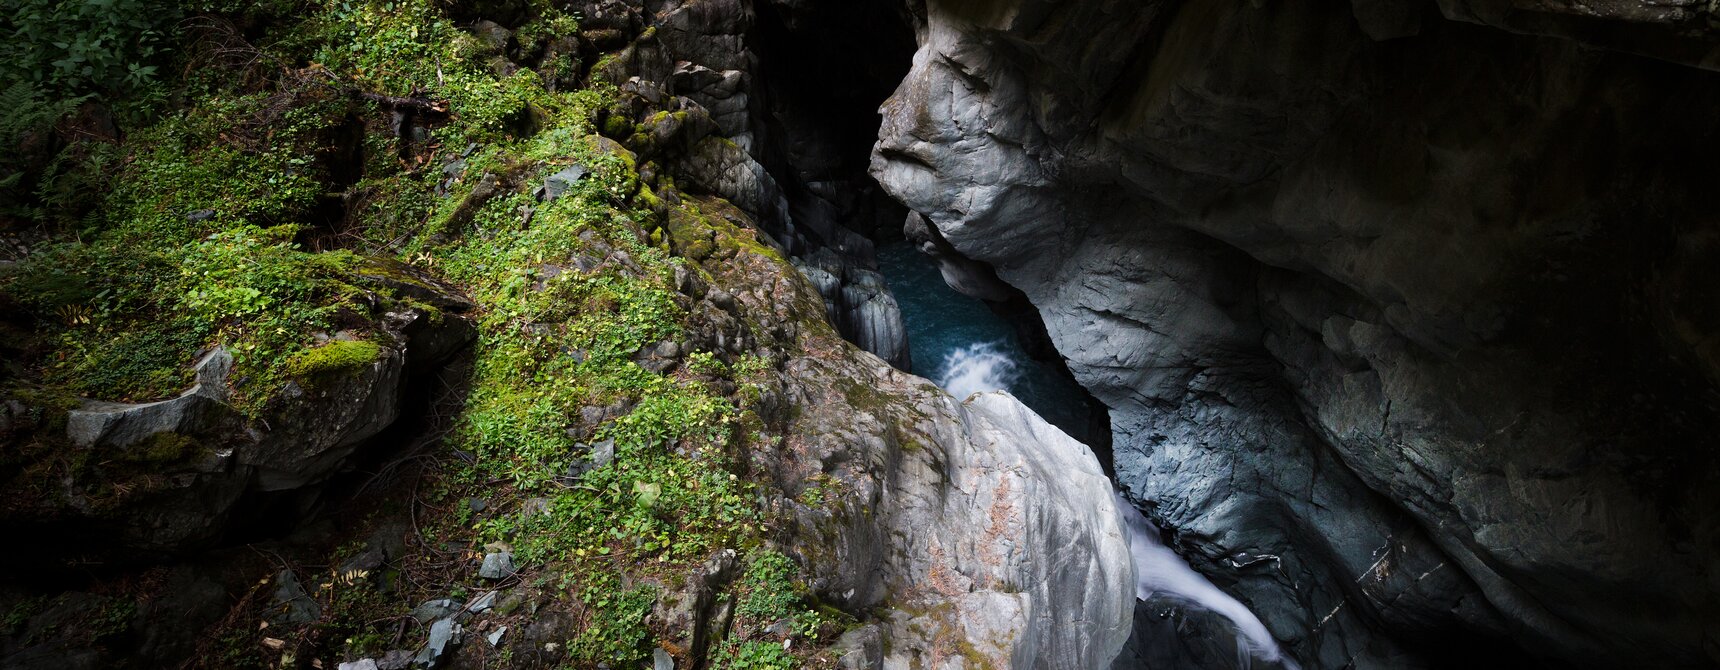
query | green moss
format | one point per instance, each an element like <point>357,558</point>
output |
<point>148,286</point>
<point>690,234</point>
<point>163,448</point>
<point>335,358</point>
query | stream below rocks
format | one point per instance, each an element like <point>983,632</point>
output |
<point>964,346</point>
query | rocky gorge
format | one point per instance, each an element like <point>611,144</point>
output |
<point>928,334</point>
<point>1347,277</point>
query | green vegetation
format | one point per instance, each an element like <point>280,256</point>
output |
<point>336,357</point>
<point>128,310</point>
<point>163,448</point>
<point>217,231</point>
<point>21,612</point>
<point>84,46</point>
<point>617,633</point>
<point>769,582</point>
<point>754,656</point>
<point>56,55</point>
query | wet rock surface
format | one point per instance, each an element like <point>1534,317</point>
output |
<point>974,521</point>
<point>1398,366</point>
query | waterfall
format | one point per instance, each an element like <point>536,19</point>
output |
<point>1160,571</point>
<point>976,368</point>
<point>978,351</point>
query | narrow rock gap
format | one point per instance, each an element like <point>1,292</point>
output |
<point>824,70</point>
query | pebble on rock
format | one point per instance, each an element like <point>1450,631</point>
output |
<point>498,565</point>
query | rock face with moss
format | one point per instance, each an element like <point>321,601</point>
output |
<point>1346,275</point>
<point>981,533</point>
<point>659,449</point>
<point>695,95</point>
<point>194,459</point>
<point>1403,338</point>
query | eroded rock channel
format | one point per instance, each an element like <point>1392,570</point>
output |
<point>671,334</point>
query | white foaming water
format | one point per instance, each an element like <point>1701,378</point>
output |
<point>1160,570</point>
<point>976,368</point>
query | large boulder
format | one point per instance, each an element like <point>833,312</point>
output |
<point>1405,341</point>
<point>167,477</point>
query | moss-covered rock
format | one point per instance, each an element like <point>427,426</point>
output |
<point>334,358</point>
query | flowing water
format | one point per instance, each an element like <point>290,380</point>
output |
<point>1160,571</point>
<point>959,343</point>
<point>962,345</point>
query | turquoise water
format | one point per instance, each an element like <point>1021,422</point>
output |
<point>959,343</point>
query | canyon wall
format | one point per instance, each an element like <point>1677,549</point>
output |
<point>974,533</point>
<point>1407,324</point>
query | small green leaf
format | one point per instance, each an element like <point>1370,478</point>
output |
<point>646,494</point>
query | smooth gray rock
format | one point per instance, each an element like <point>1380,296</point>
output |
<point>497,565</point>
<point>1660,29</point>
<point>1171,634</point>
<point>871,318</point>
<point>483,603</point>
<point>602,453</point>
<point>860,649</point>
<point>1361,340</point>
<point>361,664</point>
<point>557,184</point>
<point>198,409</point>
<point>292,604</point>
<point>859,303</point>
<point>1000,523</point>
<point>967,276</point>
<point>431,610</point>
<point>942,521</point>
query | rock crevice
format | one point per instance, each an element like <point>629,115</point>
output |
<point>1397,312</point>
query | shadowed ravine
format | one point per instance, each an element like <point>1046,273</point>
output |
<point>961,344</point>
<point>863,335</point>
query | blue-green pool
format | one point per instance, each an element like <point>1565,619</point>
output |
<point>958,342</point>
